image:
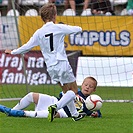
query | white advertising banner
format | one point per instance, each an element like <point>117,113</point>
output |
<point>109,71</point>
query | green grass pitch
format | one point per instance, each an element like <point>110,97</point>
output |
<point>116,117</point>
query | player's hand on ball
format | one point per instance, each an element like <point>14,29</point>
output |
<point>94,114</point>
<point>7,51</point>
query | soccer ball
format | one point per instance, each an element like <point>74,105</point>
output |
<point>93,102</point>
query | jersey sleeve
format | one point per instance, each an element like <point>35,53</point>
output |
<point>88,112</point>
<point>60,95</point>
<point>68,29</point>
<point>26,47</point>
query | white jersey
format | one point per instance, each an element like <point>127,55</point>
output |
<point>50,38</point>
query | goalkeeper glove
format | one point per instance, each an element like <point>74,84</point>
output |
<point>96,114</point>
<point>79,99</point>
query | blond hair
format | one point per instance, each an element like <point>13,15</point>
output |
<point>48,12</point>
<point>92,78</point>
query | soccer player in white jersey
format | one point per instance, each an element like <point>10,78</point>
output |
<point>50,38</point>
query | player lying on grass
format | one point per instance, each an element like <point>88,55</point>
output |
<point>43,101</point>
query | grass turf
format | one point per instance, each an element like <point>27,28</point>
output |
<point>116,117</point>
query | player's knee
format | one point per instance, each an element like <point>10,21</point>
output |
<point>30,96</point>
<point>71,93</point>
<point>35,97</point>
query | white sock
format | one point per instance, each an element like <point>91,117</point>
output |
<point>37,114</point>
<point>66,98</point>
<point>42,114</point>
<point>24,102</point>
<point>30,113</point>
<point>72,108</point>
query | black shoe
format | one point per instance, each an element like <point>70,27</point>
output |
<point>52,112</point>
<point>79,117</point>
<point>81,112</point>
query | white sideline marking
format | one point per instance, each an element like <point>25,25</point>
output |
<point>110,101</point>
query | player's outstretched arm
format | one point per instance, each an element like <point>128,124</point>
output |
<point>7,51</point>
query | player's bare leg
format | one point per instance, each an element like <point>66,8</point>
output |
<point>66,100</point>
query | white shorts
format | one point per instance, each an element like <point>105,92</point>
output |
<point>44,102</point>
<point>61,72</point>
